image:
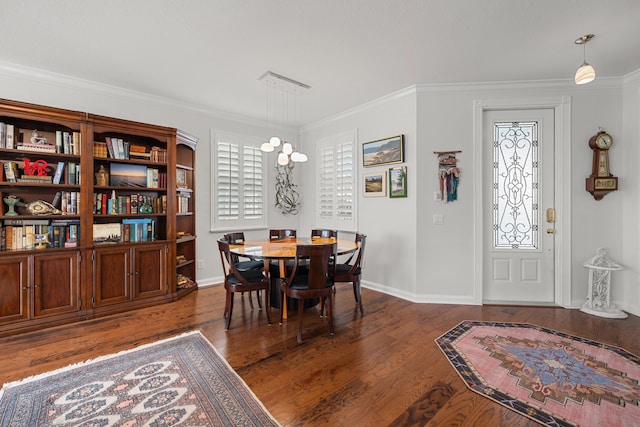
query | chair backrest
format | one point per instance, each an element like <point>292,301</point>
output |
<point>232,239</point>
<point>228,261</point>
<point>277,234</point>
<point>324,233</point>
<point>361,240</point>
<point>319,262</point>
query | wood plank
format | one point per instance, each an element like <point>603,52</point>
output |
<point>380,369</point>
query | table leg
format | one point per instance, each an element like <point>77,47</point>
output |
<point>283,274</point>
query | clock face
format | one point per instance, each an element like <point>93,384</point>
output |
<point>604,141</point>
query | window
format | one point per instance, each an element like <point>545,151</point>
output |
<point>336,204</point>
<point>239,183</point>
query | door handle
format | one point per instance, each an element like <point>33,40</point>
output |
<point>551,216</point>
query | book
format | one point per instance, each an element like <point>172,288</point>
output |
<point>109,146</point>
<point>121,148</point>
<point>10,143</point>
<point>58,174</point>
<point>57,199</point>
<point>59,141</point>
<point>3,136</point>
<point>76,137</point>
<point>10,171</point>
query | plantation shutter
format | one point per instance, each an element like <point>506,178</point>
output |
<point>336,188</point>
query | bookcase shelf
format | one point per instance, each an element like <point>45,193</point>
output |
<point>104,260</point>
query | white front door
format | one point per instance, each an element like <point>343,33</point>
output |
<point>518,206</point>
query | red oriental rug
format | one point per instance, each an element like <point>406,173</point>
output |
<point>551,377</point>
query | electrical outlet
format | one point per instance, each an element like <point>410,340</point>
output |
<point>438,219</point>
<point>200,264</point>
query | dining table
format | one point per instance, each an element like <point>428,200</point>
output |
<point>284,249</point>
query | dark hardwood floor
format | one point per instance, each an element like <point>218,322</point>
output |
<point>382,369</point>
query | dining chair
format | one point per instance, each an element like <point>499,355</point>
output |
<point>245,264</point>
<point>324,233</point>
<point>241,281</point>
<point>316,282</point>
<point>351,269</point>
<point>277,234</point>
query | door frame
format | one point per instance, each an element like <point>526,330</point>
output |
<point>562,197</point>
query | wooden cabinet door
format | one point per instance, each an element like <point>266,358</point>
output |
<point>56,283</point>
<point>14,291</point>
<point>150,271</point>
<point>111,276</point>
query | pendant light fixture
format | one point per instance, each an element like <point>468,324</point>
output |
<point>586,73</point>
<point>287,88</point>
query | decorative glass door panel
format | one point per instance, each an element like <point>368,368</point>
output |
<point>515,185</point>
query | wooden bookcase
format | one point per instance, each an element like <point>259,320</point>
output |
<point>185,214</point>
<point>95,228</point>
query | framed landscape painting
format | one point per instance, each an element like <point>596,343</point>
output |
<point>398,182</point>
<point>374,184</point>
<point>383,151</point>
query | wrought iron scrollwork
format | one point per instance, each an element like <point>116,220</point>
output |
<point>287,198</point>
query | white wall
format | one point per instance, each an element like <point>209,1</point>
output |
<point>441,257</point>
<point>407,255</point>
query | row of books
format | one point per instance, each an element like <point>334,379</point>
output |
<point>183,202</point>
<point>67,201</point>
<point>17,234</point>
<point>68,173</point>
<point>129,230</point>
<point>106,204</point>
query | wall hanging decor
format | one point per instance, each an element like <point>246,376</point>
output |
<point>398,182</point>
<point>374,184</point>
<point>383,151</point>
<point>448,175</point>
<point>287,197</point>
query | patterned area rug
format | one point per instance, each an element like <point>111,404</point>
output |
<point>179,381</point>
<point>551,377</point>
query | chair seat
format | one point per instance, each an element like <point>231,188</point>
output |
<point>301,282</point>
<point>345,268</point>
<point>251,276</point>
<point>249,265</point>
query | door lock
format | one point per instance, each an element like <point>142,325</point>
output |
<point>551,231</point>
<point>551,216</point>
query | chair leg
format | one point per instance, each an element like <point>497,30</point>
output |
<point>330,314</point>
<point>258,299</point>
<point>267,297</point>
<point>230,311</point>
<point>358,294</point>
<point>227,302</point>
<point>300,314</point>
<point>250,300</point>
<point>281,306</point>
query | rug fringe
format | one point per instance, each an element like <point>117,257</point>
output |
<point>90,361</point>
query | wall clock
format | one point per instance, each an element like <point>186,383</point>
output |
<point>601,181</point>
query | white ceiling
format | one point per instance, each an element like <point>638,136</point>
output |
<point>210,53</point>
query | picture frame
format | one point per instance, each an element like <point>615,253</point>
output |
<point>181,178</point>
<point>383,151</point>
<point>374,184</point>
<point>127,175</point>
<point>398,182</point>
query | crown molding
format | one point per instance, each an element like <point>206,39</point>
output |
<point>51,78</point>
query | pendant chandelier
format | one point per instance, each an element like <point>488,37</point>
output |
<point>282,96</point>
<point>586,73</point>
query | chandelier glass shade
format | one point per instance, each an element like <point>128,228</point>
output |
<point>287,88</point>
<point>586,73</point>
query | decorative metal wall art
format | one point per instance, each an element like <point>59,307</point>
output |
<point>287,197</point>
